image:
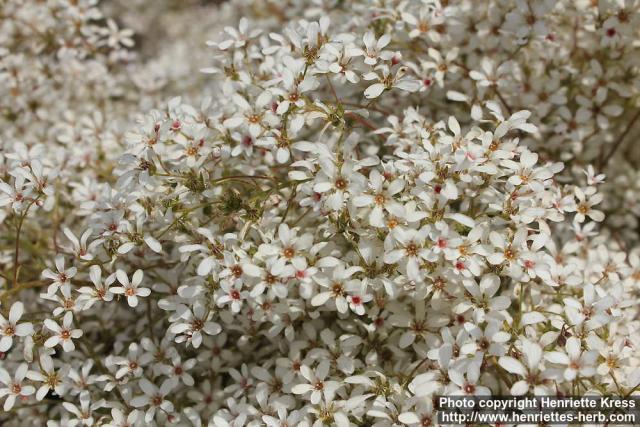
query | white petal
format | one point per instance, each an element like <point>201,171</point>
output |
<point>17,309</point>
<point>374,90</point>
<point>153,244</point>
<point>512,365</point>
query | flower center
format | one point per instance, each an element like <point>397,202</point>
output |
<point>289,252</point>
<point>52,380</point>
<point>469,388</point>
<point>197,324</point>
<point>236,270</point>
<point>509,253</point>
<point>412,249</point>
<point>270,279</point>
<point>337,289</point>
<point>439,283</point>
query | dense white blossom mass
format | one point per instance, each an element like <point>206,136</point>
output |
<point>314,213</point>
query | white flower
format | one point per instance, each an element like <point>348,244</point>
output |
<point>14,388</point>
<point>80,247</point>
<point>467,380</point>
<point>381,199</point>
<point>358,298</point>
<point>134,363</point>
<point>233,295</point>
<point>316,383</point>
<point>584,207</point>
<point>284,418</point>
<point>15,195</point>
<point>534,377</point>
<point>178,371</point>
<point>84,413</point>
<point>120,419</point>
<point>49,377</point>
<point>412,250</point>
<point>154,398</point>
<point>337,287</point>
<point>440,64</point>
<point>192,324</point>
<point>10,328</point>
<point>482,299</point>
<point>374,48</point>
<point>131,288</point>
<point>64,334</point>
<point>577,362</point>
<point>61,277</point>
<point>335,182</point>
<point>387,81</point>
<point>99,292</point>
<point>238,38</point>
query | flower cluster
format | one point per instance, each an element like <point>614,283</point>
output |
<point>349,210</point>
